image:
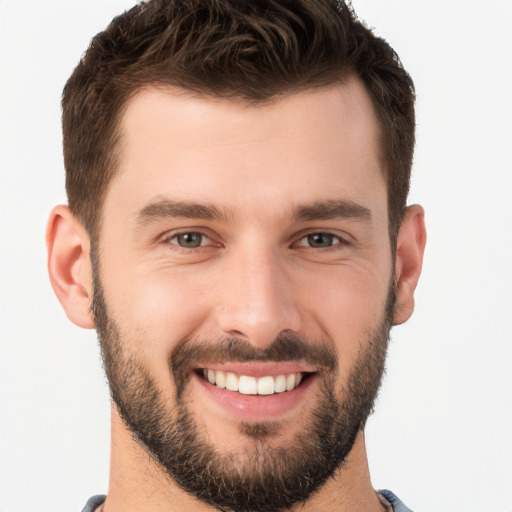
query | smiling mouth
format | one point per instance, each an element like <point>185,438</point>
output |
<point>248,385</point>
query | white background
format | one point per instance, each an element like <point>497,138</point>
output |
<point>442,434</point>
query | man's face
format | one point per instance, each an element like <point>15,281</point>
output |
<point>246,247</point>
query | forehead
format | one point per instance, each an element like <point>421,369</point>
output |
<point>318,144</point>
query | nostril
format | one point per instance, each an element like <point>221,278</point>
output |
<point>236,334</point>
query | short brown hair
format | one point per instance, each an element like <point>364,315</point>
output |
<point>250,50</point>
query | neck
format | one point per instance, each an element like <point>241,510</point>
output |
<point>138,483</point>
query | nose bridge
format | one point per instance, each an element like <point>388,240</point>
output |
<point>257,303</point>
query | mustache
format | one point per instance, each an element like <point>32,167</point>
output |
<point>287,347</point>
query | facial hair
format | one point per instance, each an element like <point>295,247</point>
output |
<point>265,477</point>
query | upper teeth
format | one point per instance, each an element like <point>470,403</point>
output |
<point>251,385</point>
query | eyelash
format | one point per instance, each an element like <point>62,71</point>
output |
<point>203,236</point>
<point>337,241</point>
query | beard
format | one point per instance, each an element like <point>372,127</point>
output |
<point>264,475</point>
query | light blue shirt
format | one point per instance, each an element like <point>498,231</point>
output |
<point>397,505</point>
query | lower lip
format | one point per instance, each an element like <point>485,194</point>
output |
<point>256,407</point>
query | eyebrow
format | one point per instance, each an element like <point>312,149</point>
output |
<point>167,208</point>
<point>320,210</point>
<point>333,209</point>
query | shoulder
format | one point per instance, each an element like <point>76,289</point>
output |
<point>397,505</point>
<point>93,503</point>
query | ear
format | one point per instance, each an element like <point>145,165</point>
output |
<point>69,265</point>
<point>409,258</point>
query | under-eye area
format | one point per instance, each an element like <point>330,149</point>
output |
<point>248,385</point>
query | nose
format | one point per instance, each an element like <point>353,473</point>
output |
<point>256,301</point>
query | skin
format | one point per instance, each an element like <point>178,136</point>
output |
<point>255,275</point>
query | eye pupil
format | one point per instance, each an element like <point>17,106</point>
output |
<point>189,240</point>
<point>320,240</point>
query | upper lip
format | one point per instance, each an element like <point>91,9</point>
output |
<point>258,369</point>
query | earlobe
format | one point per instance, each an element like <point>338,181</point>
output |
<point>69,265</point>
<point>409,259</point>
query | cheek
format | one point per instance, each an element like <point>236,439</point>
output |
<point>348,306</point>
<point>155,311</point>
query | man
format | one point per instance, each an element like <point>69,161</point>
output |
<point>237,233</point>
